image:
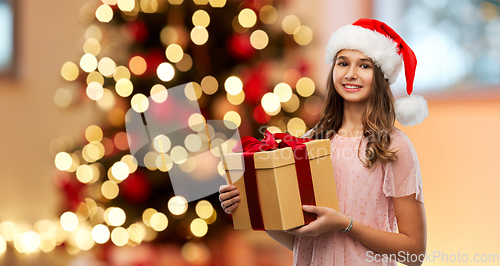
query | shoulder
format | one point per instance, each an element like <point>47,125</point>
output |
<point>400,141</point>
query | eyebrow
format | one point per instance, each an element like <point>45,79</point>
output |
<point>362,59</point>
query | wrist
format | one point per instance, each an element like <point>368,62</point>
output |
<point>348,225</point>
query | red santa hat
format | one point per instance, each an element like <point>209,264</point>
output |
<point>388,51</point>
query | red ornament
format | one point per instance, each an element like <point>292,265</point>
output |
<point>136,187</point>
<point>240,47</point>
<point>153,59</point>
<point>260,115</point>
<point>254,84</point>
<point>138,30</point>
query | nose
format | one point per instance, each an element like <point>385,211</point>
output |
<point>351,73</point>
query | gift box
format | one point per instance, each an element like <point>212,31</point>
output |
<point>276,178</point>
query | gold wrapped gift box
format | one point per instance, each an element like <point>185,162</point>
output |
<point>278,187</point>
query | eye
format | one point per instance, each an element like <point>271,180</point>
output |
<point>366,66</point>
<point>342,64</point>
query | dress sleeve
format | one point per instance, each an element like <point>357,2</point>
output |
<point>403,177</point>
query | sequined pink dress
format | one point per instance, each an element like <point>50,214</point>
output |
<point>365,195</point>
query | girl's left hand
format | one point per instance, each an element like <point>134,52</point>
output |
<point>327,220</point>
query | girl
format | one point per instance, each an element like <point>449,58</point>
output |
<point>377,174</point>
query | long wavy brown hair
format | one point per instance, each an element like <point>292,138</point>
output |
<point>378,118</point>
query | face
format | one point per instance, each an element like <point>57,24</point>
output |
<point>353,76</point>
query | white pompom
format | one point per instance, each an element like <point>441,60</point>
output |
<point>411,110</point>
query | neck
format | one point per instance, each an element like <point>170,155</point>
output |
<point>351,122</point>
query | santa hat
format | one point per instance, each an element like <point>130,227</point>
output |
<point>388,51</point>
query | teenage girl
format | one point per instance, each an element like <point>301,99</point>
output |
<point>377,174</point>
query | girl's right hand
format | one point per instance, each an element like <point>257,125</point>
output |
<point>228,197</point>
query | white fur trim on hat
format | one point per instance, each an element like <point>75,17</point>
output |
<point>411,110</point>
<point>381,49</point>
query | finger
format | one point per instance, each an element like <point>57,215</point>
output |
<point>227,195</point>
<point>311,209</point>
<point>231,208</point>
<point>230,202</point>
<point>226,188</point>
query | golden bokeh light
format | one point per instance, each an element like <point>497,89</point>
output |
<point>126,5</point>
<point>209,85</point>
<point>95,91</point>
<point>217,3</point>
<point>290,24</point>
<point>93,151</point>
<point>100,234</point>
<point>199,227</point>
<point>31,241</point>
<point>109,189</point>
<point>303,35</point>
<point>185,64</point>
<point>199,35</point>
<point>204,209</point>
<point>192,143</point>
<point>291,76</point>
<point>88,63</point>
<point>195,253</point>
<point>63,161</point>
<point>139,103</point>
<point>201,18</point>
<point>236,99</point>
<point>147,214</point>
<point>93,31</point>
<point>237,27</point>
<point>233,85</point>
<point>274,129</point>
<point>247,18</point>
<point>169,35</point>
<point>292,105</point>
<point>8,230</point>
<point>69,221</point>
<point>175,2</point>
<point>283,91</point>
<point>268,14</point>
<point>121,72</point>
<point>149,6</point>
<point>313,105</point>
<point>159,221</point>
<point>193,91</point>
<point>119,236</point>
<point>163,162</point>
<point>137,232</point>
<point>107,101</point>
<point>131,162</point>
<point>305,87</point>
<point>161,143</point>
<point>92,46</point>
<point>48,241</point>
<point>124,87</point>
<point>271,103</point>
<point>174,53</point>
<point>95,76</point>
<point>69,71</point>
<point>93,133</point>
<point>87,12</point>
<point>84,240</point>
<point>178,154</point>
<point>110,2</point>
<point>259,39</point>
<point>120,170</point>
<point>196,122</point>
<point>137,65</point>
<point>159,93</point>
<point>165,72</point>
<point>150,160</point>
<point>115,216</point>
<point>177,205</point>
<point>233,118</point>
<point>84,173</point>
<point>104,13</point>
<point>296,127</point>
<point>63,97</point>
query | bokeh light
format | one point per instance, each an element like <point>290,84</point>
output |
<point>109,189</point>
<point>95,91</point>
<point>303,35</point>
<point>292,105</point>
<point>31,241</point>
<point>199,35</point>
<point>204,209</point>
<point>69,71</point>
<point>116,216</point>
<point>88,63</point>
<point>92,46</point>
<point>259,39</point>
<point>126,5</point>
<point>296,127</point>
<point>201,18</point>
<point>95,76</point>
<point>139,103</point>
<point>104,13</point>
<point>69,221</point>
<point>161,143</point>
<point>137,65</point>
<point>178,154</point>
<point>63,161</point>
<point>120,170</point>
<point>159,221</point>
<point>119,236</point>
<point>217,3</point>
<point>121,72</point>
<point>131,162</point>
<point>124,87</point>
<point>159,93</point>
<point>283,91</point>
<point>268,14</point>
<point>147,214</point>
<point>290,24</point>
<point>174,53</point>
<point>236,99</point>
<point>185,64</point>
<point>234,119</point>
<point>247,18</point>
<point>313,105</point>
<point>84,173</point>
<point>305,87</point>
<point>93,133</point>
<point>84,240</point>
<point>199,227</point>
<point>165,72</point>
<point>177,205</point>
<point>193,91</point>
<point>233,85</point>
<point>271,103</point>
<point>209,85</point>
<point>100,234</point>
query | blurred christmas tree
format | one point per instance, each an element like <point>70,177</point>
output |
<point>245,63</point>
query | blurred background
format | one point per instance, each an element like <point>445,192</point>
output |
<point>71,194</point>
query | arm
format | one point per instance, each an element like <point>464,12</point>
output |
<point>283,238</point>
<point>411,238</point>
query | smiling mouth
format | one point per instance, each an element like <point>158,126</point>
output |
<point>352,88</point>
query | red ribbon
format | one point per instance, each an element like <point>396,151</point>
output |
<point>249,145</point>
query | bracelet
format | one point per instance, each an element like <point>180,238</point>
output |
<point>348,228</point>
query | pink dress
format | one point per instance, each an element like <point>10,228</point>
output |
<point>366,196</point>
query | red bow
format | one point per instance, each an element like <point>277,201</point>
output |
<point>250,144</point>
